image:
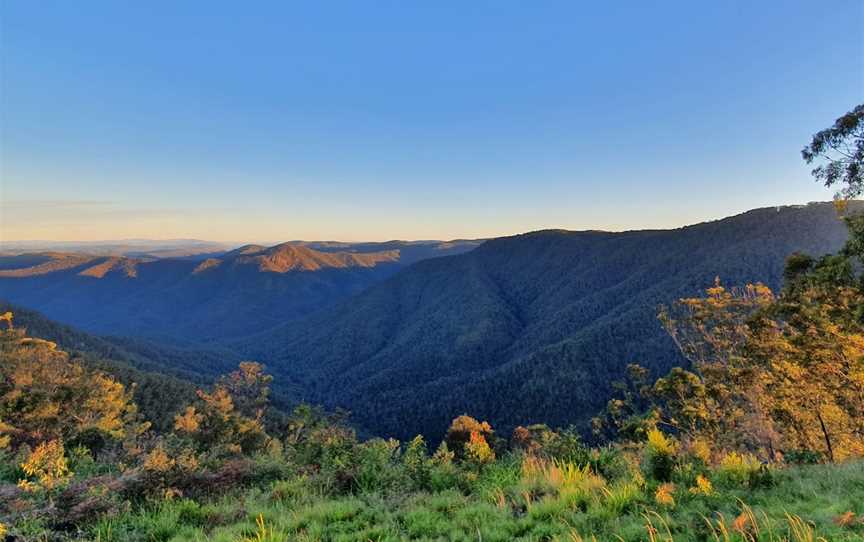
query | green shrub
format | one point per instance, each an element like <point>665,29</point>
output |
<point>660,456</point>
<point>802,457</point>
<point>416,462</point>
<point>378,467</point>
<point>422,522</point>
<point>621,498</point>
<point>737,470</point>
<point>291,491</point>
<point>10,467</point>
<point>609,462</point>
<point>568,446</point>
<point>497,477</point>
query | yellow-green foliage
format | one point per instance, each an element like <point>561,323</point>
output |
<point>478,450</point>
<point>45,467</point>
<point>772,373</point>
<point>555,474</point>
<point>46,396</point>
<point>660,444</point>
<point>264,532</point>
<point>660,455</point>
<point>737,468</point>
<point>702,486</point>
<point>468,439</point>
<point>229,419</point>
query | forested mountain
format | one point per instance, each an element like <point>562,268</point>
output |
<point>526,328</point>
<point>186,301</point>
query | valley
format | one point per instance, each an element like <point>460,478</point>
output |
<point>406,336</point>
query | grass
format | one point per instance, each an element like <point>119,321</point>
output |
<point>531,500</point>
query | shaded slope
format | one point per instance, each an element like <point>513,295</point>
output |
<point>526,328</point>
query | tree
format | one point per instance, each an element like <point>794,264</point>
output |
<point>321,441</point>
<point>720,401</point>
<point>810,346</point>
<point>840,148</point>
<point>533,439</point>
<point>469,439</point>
<point>771,373</point>
<point>776,371</point>
<point>249,388</point>
<point>45,396</point>
<point>625,417</point>
<point>229,419</point>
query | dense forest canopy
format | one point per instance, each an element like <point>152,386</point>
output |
<point>526,328</point>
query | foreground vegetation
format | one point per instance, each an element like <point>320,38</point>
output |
<point>518,498</point>
<point>77,462</point>
<point>220,476</point>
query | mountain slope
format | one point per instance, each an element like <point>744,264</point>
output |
<point>193,300</point>
<point>525,328</point>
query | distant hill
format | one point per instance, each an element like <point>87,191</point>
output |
<point>528,328</point>
<point>170,248</point>
<point>185,301</point>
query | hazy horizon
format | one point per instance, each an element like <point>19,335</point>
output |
<point>233,243</point>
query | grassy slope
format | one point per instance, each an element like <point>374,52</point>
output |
<point>818,494</point>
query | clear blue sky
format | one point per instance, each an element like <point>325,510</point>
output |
<point>378,120</point>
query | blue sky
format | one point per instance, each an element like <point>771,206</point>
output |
<point>379,120</point>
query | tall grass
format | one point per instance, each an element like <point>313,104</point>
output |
<point>522,498</point>
<point>747,528</point>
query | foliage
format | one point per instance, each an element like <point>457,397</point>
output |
<point>230,418</point>
<point>323,483</point>
<point>660,455</point>
<point>737,468</point>
<point>468,439</point>
<point>771,373</point>
<point>45,467</point>
<point>841,148</point>
<point>46,396</point>
<point>156,390</point>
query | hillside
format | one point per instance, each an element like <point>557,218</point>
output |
<point>525,328</point>
<point>186,301</point>
<point>219,471</point>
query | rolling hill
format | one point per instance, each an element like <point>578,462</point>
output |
<point>528,328</point>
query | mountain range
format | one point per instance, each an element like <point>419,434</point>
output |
<point>533,327</point>
<point>200,300</point>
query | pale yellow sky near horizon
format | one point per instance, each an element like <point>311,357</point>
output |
<point>101,221</point>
